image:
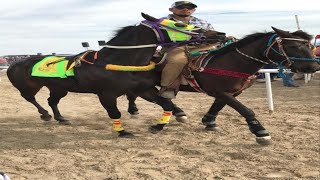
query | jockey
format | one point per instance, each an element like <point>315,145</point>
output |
<point>177,58</point>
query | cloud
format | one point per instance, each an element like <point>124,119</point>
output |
<point>32,26</point>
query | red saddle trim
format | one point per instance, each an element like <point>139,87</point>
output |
<point>226,73</point>
<point>193,83</point>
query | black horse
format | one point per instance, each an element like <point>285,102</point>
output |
<point>132,46</point>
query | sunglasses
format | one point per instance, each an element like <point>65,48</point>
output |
<point>184,7</point>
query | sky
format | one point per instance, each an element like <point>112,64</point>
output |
<point>51,26</point>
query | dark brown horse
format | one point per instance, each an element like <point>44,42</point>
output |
<point>226,73</point>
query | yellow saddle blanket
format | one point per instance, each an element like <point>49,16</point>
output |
<point>53,66</point>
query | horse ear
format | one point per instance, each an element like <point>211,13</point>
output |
<point>149,18</point>
<point>211,33</point>
<point>182,25</point>
<point>280,32</point>
<point>221,33</point>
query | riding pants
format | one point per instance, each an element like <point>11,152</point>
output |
<point>177,58</point>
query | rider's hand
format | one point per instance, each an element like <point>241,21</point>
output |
<point>232,38</point>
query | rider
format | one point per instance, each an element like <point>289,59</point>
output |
<point>177,57</point>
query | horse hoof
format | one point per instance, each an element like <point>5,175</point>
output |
<point>266,140</point>
<point>134,116</point>
<point>125,134</point>
<point>213,128</point>
<point>155,129</point>
<point>46,117</point>
<point>134,113</point>
<point>182,119</point>
<point>65,122</point>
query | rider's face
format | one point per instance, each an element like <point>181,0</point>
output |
<point>183,10</point>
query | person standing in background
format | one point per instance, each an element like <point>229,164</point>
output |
<point>288,81</point>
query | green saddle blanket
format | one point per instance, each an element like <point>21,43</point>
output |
<point>53,66</point>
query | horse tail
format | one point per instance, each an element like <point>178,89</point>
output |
<point>19,74</point>
<point>11,71</point>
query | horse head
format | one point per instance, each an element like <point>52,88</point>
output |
<point>153,19</point>
<point>210,36</point>
<point>295,49</point>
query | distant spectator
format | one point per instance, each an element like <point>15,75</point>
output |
<point>317,51</point>
<point>288,80</point>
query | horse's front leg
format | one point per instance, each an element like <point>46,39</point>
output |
<point>209,119</point>
<point>151,95</point>
<point>109,102</point>
<point>133,110</point>
<point>262,135</point>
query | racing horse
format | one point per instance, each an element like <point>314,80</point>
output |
<point>120,67</point>
<point>228,71</point>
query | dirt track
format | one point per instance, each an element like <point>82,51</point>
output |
<point>88,149</point>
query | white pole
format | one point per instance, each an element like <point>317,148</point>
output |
<point>297,21</point>
<point>268,85</point>
<point>269,92</point>
<point>305,78</point>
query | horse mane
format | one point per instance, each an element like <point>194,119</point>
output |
<point>242,42</point>
<point>252,37</point>
<point>122,30</point>
<point>303,35</point>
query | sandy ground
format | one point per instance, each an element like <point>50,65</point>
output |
<point>88,149</point>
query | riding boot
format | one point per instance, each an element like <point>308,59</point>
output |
<point>167,93</point>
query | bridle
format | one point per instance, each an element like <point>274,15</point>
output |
<point>156,27</point>
<point>288,61</point>
<point>276,40</point>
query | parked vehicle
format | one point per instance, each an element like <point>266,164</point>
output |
<point>4,64</point>
<point>317,45</point>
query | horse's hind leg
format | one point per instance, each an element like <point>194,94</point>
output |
<point>29,95</point>
<point>209,119</point>
<point>132,107</point>
<point>53,101</point>
<point>180,115</point>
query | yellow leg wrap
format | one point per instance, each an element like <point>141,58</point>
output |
<point>165,117</point>
<point>117,126</point>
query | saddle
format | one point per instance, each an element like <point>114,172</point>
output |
<point>89,57</point>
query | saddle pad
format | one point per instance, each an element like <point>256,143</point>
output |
<point>52,66</point>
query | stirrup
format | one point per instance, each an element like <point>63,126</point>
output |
<point>168,94</point>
